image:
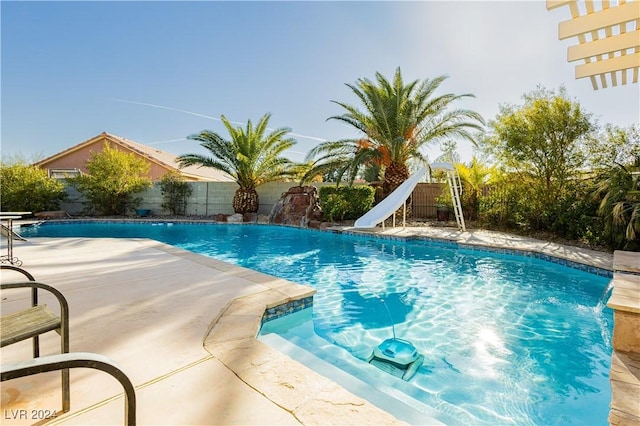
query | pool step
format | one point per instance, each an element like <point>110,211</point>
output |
<point>337,365</point>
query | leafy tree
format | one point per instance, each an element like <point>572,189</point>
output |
<point>613,145</point>
<point>175,192</point>
<point>298,172</point>
<point>329,175</point>
<point>114,177</point>
<point>20,158</point>
<point>250,156</point>
<point>543,142</point>
<point>396,121</point>
<point>29,188</point>
<point>371,173</point>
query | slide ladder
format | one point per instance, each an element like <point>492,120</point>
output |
<point>455,188</point>
<point>387,207</point>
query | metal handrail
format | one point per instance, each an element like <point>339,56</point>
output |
<point>76,360</point>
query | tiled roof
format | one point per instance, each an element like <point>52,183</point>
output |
<point>170,160</point>
<point>155,155</point>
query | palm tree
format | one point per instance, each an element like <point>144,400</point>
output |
<point>397,121</point>
<point>619,194</point>
<point>250,157</point>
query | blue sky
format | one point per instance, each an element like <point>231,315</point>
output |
<point>71,70</point>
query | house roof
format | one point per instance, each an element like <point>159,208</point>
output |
<point>154,155</point>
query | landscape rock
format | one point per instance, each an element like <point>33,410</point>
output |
<point>235,218</point>
<point>299,206</point>
<point>56,214</point>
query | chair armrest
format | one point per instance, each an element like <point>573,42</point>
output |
<point>34,292</point>
<point>64,306</point>
<point>75,360</point>
<point>20,270</point>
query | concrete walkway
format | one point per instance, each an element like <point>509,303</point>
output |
<point>182,326</point>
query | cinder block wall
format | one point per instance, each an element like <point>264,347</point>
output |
<point>211,198</point>
<point>207,198</point>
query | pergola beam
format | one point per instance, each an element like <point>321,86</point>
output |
<point>553,4</point>
<point>620,63</point>
<point>604,46</point>
<point>605,18</point>
<point>608,39</point>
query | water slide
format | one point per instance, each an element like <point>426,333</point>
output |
<point>393,202</point>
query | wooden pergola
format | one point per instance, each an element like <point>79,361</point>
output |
<point>608,39</point>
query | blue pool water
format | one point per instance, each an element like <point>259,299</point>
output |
<point>507,339</point>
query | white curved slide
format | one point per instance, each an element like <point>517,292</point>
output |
<point>393,202</point>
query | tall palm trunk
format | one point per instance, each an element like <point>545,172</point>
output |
<point>245,200</point>
<point>394,175</point>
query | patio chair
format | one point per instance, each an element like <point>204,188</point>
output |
<point>30,323</point>
<point>36,320</point>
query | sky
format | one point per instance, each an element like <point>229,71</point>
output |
<point>157,72</point>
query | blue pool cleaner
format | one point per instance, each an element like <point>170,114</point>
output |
<point>395,356</point>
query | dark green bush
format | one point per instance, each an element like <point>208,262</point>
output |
<point>175,192</point>
<point>345,202</point>
<point>575,215</point>
<point>501,206</point>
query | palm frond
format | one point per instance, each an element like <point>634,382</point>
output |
<point>397,119</point>
<point>250,156</point>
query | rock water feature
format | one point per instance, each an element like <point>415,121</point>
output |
<point>299,206</point>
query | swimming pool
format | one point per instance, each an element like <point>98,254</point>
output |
<point>506,339</point>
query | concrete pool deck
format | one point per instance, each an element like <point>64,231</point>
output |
<point>183,326</point>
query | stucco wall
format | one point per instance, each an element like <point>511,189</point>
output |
<point>78,159</point>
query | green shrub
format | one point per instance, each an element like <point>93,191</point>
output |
<point>335,207</point>
<point>175,192</point>
<point>114,176</point>
<point>29,188</point>
<point>575,215</point>
<point>501,206</point>
<point>515,204</point>
<point>345,202</point>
